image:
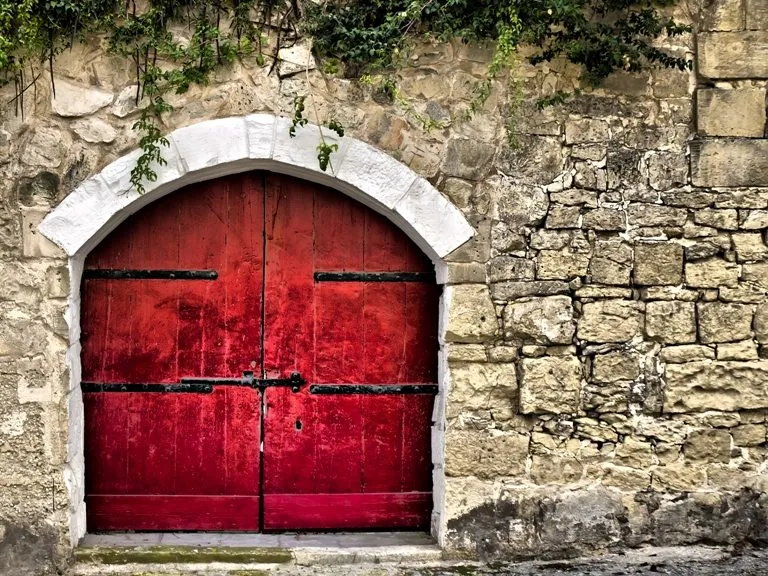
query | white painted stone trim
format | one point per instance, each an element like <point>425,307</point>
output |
<point>227,146</point>
<point>218,147</point>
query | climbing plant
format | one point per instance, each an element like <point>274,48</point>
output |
<point>175,44</point>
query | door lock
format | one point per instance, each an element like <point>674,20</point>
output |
<point>294,381</point>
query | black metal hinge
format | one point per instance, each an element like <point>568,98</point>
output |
<point>334,389</point>
<point>120,274</point>
<point>200,385</point>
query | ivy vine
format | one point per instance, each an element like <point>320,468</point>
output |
<point>365,39</point>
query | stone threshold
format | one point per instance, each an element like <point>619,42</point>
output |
<point>189,552</point>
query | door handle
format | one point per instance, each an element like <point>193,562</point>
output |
<point>294,381</point>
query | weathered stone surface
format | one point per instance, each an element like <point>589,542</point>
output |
<point>543,320</point>
<point>610,321</point>
<point>711,273</point>
<point>724,321</point>
<point>744,350</point>
<point>739,112</point>
<point>757,14</point>
<point>487,392</point>
<point>561,264</point>
<point>564,217</point>
<point>94,130</point>
<point>472,317</point>
<point>485,453</point>
<point>671,322</point>
<point>46,148</point>
<point>78,100</point>
<point>550,385</point>
<point>726,219</point>
<point>518,204</point>
<point>295,59</point>
<point>760,323</point>
<point>634,453</point>
<point>706,385</point>
<point>611,262</point>
<point>504,268</point>
<point>655,215</point>
<point>722,15</point>
<point>749,246</point>
<point>615,366</point>
<point>686,353</point>
<point>586,130</point>
<point>729,162</point>
<point>708,446</point>
<point>469,159</point>
<point>733,54</point>
<point>658,263</point>
<point>513,290</point>
<point>604,219</point>
<point>756,275</point>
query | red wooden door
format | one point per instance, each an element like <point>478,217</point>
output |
<point>266,275</point>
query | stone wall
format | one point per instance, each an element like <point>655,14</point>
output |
<point>606,329</point>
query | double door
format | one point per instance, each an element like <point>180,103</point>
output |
<point>259,353</point>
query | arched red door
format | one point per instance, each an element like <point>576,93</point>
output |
<point>259,353</point>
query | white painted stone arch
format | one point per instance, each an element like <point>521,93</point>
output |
<point>228,146</point>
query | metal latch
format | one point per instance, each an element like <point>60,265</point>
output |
<point>294,381</point>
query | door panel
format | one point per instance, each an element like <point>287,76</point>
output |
<point>349,460</point>
<point>175,460</point>
<point>179,291</point>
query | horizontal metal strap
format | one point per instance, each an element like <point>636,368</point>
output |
<point>183,388</point>
<point>373,389</point>
<point>119,274</point>
<point>375,277</point>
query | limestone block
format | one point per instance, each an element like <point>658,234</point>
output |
<point>479,388</point>
<point>725,219</point>
<point>741,162</point>
<point>295,59</point>
<point>634,452</point>
<point>671,321</point>
<point>610,321</point>
<point>642,214</point>
<point>665,169</point>
<point>744,350</point>
<point>125,103</point>
<point>94,130</point>
<point>485,454</point>
<point>562,264</point>
<point>471,316</point>
<point>586,130</point>
<point>504,268</point>
<point>33,243</point>
<point>556,469</point>
<point>611,263</point>
<point>607,219</point>
<point>614,367</point>
<point>722,15</point>
<point>465,273</point>
<point>544,239</point>
<point>753,219</point>
<point>712,445</point>
<point>518,204</point>
<point>658,263</point>
<point>513,290</point>
<point>678,477</point>
<point>469,159</point>
<point>465,353</point>
<point>749,246</point>
<point>550,385</point>
<point>724,321</point>
<point>686,353</point>
<point>711,273</point>
<point>756,275</point>
<point>542,320</point>
<point>760,324</point>
<point>47,147</point>
<point>733,54</point>
<point>597,291</point>
<point>749,434</point>
<point>739,112</point>
<point>757,14</point>
<point>78,100</point>
<point>705,385</point>
<point>564,217</point>
<point>57,282</point>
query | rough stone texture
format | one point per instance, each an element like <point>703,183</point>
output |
<point>610,321</point>
<point>646,426</point>
<point>543,321</point>
<point>733,54</point>
<point>671,322</point>
<point>739,112</point>
<point>658,264</point>
<point>729,162</point>
<point>550,385</point>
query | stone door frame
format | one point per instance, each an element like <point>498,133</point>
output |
<point>227,146</point>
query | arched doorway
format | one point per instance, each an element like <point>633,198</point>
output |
<point>259,353</point>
